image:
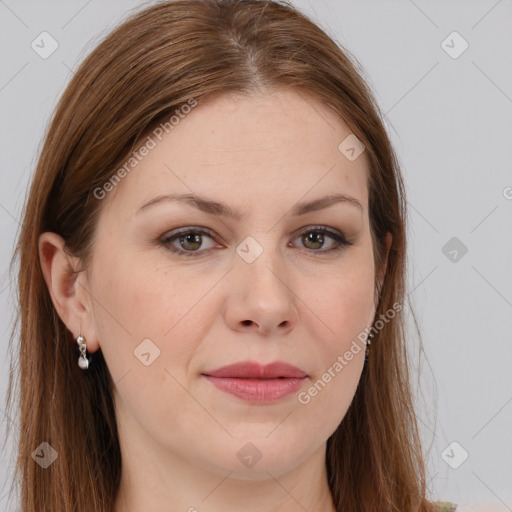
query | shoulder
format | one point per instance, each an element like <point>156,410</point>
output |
<point>446,506</point>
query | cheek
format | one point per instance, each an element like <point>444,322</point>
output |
<point>139,311</point>
<point>343,302</point>
<point>339,359</point>
<point>148,331</point>
<point>339,311</point>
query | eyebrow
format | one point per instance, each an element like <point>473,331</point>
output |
<point>216,208</point>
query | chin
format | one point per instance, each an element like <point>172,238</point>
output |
<point>254,457</point>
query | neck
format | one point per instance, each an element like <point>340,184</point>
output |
<point>165,484</point>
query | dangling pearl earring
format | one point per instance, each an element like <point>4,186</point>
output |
<point>83,362</point>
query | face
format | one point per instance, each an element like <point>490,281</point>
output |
<point>182,291</point>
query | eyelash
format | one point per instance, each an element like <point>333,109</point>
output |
<point>341,241</point>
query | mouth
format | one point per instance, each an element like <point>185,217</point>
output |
<point>253,382</point>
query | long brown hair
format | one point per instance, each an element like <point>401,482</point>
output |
<point>154,63</point>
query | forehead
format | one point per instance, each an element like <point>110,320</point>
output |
<point>243,149</point>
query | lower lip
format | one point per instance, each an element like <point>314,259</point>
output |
<point>258,390</point>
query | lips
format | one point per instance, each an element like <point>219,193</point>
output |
<point>257,383</point>
<point>254,370</point>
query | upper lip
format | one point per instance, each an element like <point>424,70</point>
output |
<point>255,370</point>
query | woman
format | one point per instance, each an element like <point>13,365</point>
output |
<point>216,228</point>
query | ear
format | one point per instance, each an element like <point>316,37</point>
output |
<point>67,288</point>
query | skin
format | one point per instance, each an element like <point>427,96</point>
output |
<point>296,303</point>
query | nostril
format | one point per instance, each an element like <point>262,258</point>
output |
<point>247,322</point>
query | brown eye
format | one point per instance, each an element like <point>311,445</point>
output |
<point>187,242</point>
<point>190,242</point>
<point>314,239</point>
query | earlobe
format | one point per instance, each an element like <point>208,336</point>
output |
<point>67,295</point>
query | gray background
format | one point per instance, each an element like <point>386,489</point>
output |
<point>450,120</point>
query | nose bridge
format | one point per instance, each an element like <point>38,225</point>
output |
<point>259,293</point>
<point>260,261</point>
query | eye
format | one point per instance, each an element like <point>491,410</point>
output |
<point>313,238</point>
<point>188,241</point>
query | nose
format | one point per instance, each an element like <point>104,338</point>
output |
<point>260,298</point>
